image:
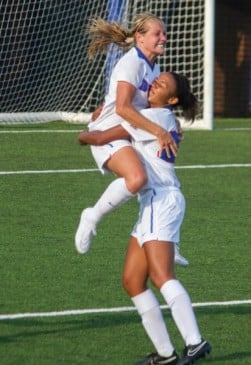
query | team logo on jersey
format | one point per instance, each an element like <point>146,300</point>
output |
<point>144,86</point>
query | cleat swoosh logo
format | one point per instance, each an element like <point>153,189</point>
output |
<point>194,351</point>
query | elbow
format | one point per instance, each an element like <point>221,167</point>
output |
<point>126,111</point>
<point>80,141</point>
<point>121,111</point>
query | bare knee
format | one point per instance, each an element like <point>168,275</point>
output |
<point>136,181</point>
<point>126,163</point>
<point>133,287</point>
<point>158,279</point>
<point>127,285</point>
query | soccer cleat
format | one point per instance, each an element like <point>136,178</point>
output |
<point>86,230</point>
<point>155,359</point>
<point>193,353</point>
<point>178,258</point>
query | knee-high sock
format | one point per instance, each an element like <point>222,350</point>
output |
<point>181,307</point>
<point>153,322</point>
<point>115,194</point>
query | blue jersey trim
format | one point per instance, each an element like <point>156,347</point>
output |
<point>151,218</point>
<point>141,55</point>
<point>144,86</point>
<point>163,155</point>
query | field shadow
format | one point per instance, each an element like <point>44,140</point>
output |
<point>22,330</point>
<point>83,322</point>
<point>236,310</point>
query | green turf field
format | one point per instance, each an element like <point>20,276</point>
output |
<point>46,181</point>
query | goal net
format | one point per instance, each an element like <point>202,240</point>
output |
<point>45,72</point>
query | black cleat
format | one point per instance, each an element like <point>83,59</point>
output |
<point>155,359</point>
<point>193,353</point>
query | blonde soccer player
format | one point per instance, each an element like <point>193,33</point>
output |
<point>128,91</point>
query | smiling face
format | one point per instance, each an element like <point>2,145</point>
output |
<point>152,42</point>
<point>163,91</point>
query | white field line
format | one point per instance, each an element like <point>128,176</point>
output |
<point>118,309</point>
<point>46,171</point>
<point>23,172</point>
<point>42,131</point>
<point>110,310</point>
<point>220,166</point>
<point>234,129</point>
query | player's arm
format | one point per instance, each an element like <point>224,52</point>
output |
<point>99,138</point>
<point>124,108</point>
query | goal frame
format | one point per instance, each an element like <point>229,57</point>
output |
<point>209,37</point>
<point>208,89</point>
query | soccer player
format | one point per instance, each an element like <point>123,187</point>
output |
<point>150,253</point>
<point>127,94</point>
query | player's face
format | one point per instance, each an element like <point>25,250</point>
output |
<point>163,91</point>
<point>153,42</point>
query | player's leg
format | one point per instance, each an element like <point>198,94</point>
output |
<point>160,257</point>
<point>135,277</point>
<point>166,214</point>
<point>175,295</point>
<point>126,164</point>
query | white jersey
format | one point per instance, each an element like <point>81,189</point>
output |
<point>159,168</point>
<point>135,69</point>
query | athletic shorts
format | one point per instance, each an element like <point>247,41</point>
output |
<point>160,216</point>
<point>102,154</point>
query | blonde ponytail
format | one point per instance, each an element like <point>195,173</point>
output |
<point>102,33</point>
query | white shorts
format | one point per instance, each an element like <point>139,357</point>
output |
<point>160,216</point>
<point>102,154</point>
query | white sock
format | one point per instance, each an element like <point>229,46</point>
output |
<point>179,302</point>
<point>148,308</point>
<point>115,195</point>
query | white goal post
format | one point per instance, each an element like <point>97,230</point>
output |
<point>45,72</point>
